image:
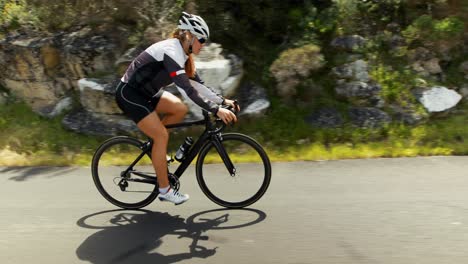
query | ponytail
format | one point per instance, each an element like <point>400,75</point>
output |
<point>189,64</point>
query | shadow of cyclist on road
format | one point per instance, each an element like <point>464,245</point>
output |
<point>135,236</point>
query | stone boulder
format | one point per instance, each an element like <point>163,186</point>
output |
<point>325,118</point>
<point>355,84</point>
<point>98,96</point>
<point>44,70</point>
<point>3,98</point>
<point>358,89</point>
<point>43,97</point>
<point>419,54</point>
<point>99,113</point>
<point>427,67</point>
<point>464,69</point>
<point>258,107</point>
<point>223,74</point>
<point>85,122</point>
<point>424,62</point>
<point>432,66</point>
<point>356,71</point>
<point>438,99</point>
<point>28,64</point>
<point>253,100</point>
<point>53,110</point>
<point>86,54</point>
<point>396,41</point>
<point>349,43</point>
<point>407,115</point>
<point>464,91</point>
<point>368,117</point>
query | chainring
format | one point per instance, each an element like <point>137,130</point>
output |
<point>173,181</point>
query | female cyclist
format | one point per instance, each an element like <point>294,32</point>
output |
<point>141,97</point>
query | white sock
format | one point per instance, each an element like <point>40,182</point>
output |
<point>164,190</point>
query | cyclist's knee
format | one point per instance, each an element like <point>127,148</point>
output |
<point>163,135</point>
<point>180,109</point>
<point>160,135</point>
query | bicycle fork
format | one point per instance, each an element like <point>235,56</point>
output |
<point>217,142</point>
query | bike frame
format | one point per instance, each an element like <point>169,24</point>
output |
<point>212,133</point>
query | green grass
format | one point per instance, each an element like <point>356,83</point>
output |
<point>28,139</point>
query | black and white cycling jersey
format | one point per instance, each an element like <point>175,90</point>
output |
<point>162,64</point>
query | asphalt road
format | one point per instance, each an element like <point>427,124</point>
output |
<point>412,210</point>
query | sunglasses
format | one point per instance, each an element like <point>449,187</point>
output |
<point>202,40</point>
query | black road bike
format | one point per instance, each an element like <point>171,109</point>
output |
<point>232,169</point>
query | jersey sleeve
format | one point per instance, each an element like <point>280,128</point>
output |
<point>205,91</point>
<point>181,80</point>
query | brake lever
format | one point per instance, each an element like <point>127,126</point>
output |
<point>236,107</point>
<point>233,109</point>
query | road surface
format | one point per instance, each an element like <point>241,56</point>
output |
<point>409,210</point>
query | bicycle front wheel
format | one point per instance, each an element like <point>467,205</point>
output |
<point>125,190</point>
<point>251,177</point>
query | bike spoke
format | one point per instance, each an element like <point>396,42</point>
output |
<point>125,181</point>
<point>227,177</point>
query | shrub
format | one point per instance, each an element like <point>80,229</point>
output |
<point>426,28</point>
<point>396,85</point>
<point>14,14</point>
<point>293,65</point>
<point>366,16</point>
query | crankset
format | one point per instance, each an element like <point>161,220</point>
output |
<point>173,181</point>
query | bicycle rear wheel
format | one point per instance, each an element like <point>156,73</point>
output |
<point>252,172</point>
<point>110,162</point>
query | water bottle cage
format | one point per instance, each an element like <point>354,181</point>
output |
<point>183,149</point>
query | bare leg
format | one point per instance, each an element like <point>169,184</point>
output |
<point>152,126</point>
<point>175,111</point>
<point>173,108</point>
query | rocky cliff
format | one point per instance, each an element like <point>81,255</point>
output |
<point>75,70</point>
<point>78,72</point>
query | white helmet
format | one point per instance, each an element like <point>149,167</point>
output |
<point>195,24</point>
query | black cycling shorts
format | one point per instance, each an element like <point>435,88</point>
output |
<point>135,104</point>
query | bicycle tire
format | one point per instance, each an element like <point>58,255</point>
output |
<point>98,168</point>
<point>237,141</point>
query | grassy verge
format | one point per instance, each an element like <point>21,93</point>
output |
<point>27,139</point>
<point>288,138</point>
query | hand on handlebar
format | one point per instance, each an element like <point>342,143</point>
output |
<point>227,116</point>
<point>235,106</point>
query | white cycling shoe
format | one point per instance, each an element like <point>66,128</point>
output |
<point>174,197</point>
